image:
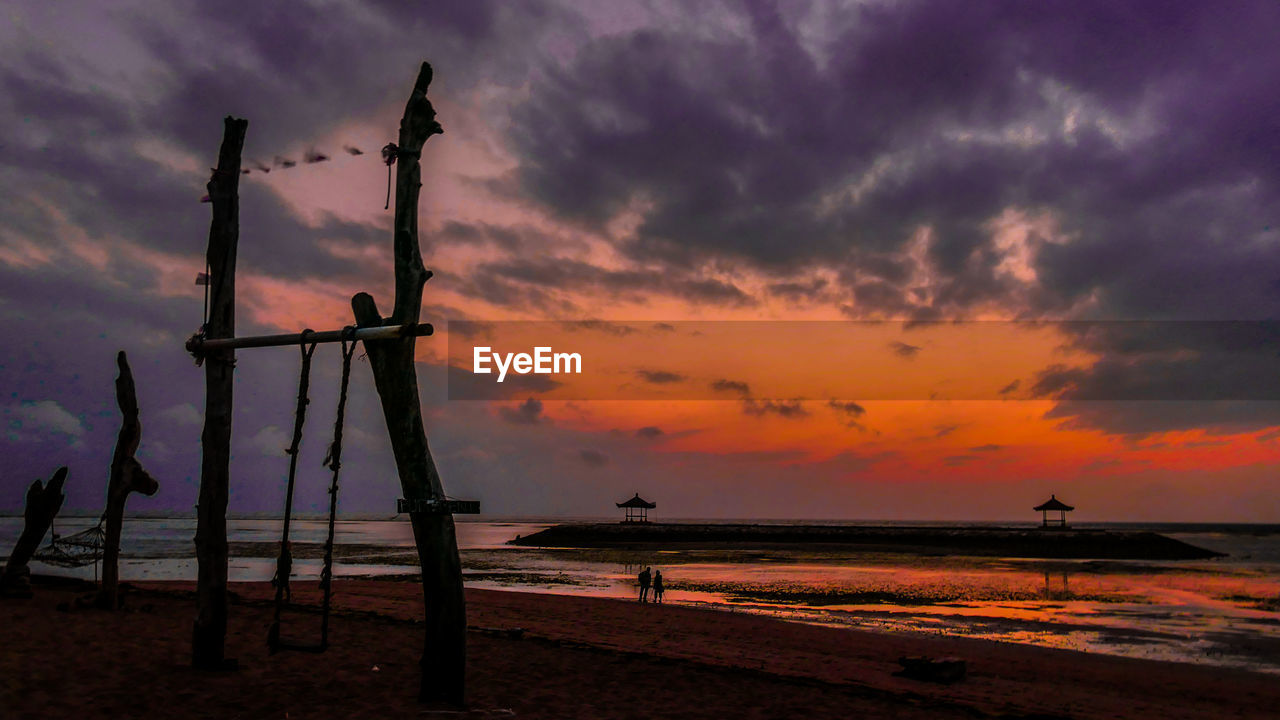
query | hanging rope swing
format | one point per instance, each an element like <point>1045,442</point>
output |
<point>284,562</point>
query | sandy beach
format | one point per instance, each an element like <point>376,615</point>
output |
<point>578,658</point>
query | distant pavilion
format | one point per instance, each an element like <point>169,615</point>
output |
<point>637,509</point>
<point>1053,504</point>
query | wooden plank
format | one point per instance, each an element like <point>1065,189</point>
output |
<point>208,635</point>
<point>198,345</point>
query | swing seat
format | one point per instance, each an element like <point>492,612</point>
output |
<point>275,644</point>
<point>333,461</point>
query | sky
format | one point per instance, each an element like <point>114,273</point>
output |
<point>773,171</point>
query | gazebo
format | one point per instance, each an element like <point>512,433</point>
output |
<point>1053,504</point>
<point>637,509</point>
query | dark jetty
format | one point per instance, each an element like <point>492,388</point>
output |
<point>979,541</point>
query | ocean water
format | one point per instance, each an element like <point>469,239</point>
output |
<point>1223,612</point>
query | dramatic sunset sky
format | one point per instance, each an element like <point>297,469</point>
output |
<point>664,167</point>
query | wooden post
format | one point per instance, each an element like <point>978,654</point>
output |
<point>127,475</point>
<point>208,636</point>
<point>395,375</point>
<point>43,503</point>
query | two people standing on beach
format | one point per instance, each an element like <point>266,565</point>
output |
<point>646,577</point>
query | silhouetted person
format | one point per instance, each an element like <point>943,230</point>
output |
<point>644,583</point>
<point>657,586</point>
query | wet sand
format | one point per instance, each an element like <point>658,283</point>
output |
<point>579,658</point>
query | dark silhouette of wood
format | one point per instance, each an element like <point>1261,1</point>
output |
<point>43,503</point>
<point>208,636</point>
<point>444,650</point>
<point>127,476</point>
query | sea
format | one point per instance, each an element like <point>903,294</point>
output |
<point>1222,612</point>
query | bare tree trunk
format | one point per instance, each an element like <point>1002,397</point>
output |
<point>444,650</point>
<point>208,636</point>
<point>43,503</point>
<point>127,476</point>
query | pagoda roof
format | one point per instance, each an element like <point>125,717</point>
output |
<point>1053,503</point>
<point>637,502</point>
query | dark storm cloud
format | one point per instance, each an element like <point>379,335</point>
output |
<point>734,386</point>
<point>790,409</point>
<point>528,412</point>
<point>168,77</point>
<point>851,409</point>
<point>593,458</point>
<point>1149,133</point>
<point>795,291</point>
<point>313,65</point>
<point>942,431</point>
<point>738,158</point>
<point>111,192</point>
<point>498,291</point>
<point>506,238</point>
<point>649,432</point>
<point>574,275</point>
<point>903,350</point>
<point>1155,376</point>
<point>1139,418</point>
<point>471,329</point>
<point>659,377</point>
<point>608,328</point>
<point>849,412</point>
<point>734,157</point>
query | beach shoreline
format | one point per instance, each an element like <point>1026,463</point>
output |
<point>577,657</point>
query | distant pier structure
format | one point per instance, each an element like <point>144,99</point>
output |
<point>1054,505</point>
<point>637,509</point>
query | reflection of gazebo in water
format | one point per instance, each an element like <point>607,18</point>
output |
<point>1053,504</point>
<point>1056,586</point>
<point>637,509</point>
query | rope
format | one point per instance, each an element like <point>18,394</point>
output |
<point>208,280</point>
<point>333,461</point>
<point>284,562</point>
<point>389,153</point>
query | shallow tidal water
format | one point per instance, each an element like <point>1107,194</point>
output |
<point>1221,612</point>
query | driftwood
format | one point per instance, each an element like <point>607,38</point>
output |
<point>43,503</point>
<point>127,476</point>
<point>444,653</point>
<point>208,635</point>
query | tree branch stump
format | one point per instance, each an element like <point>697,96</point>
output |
<point>395,375</point>
<point>43,503</point>
<point>127,476</point>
